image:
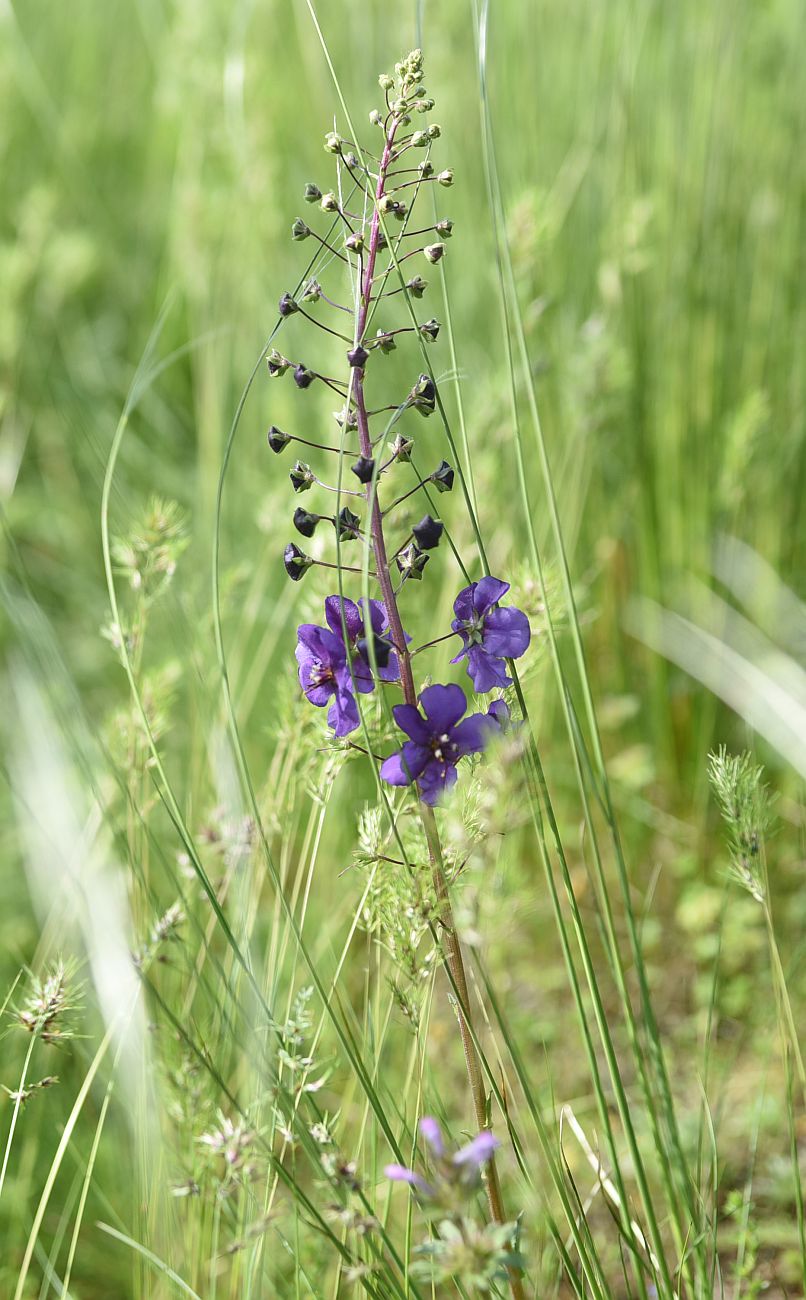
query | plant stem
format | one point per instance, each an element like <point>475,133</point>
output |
<point>452,947</point>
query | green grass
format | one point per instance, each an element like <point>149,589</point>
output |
<point>621,366</point>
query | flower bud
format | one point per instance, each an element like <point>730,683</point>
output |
<point>277,363</point>
<point>417,286</point>
<point>446,177</point>
<point>399,107</point>
<point>423,396</point>
<point>358,357</point>
<point>434,131</point>
<point>299,230</point>
<point>427,533</point>
<point>442,477</point>
<point>301,476</point>
<point>311,193</point>
<point>386,82</point>
<point>364,468</point>
<point>381,646</point>
<point>430,329</point>
<point>355,242</point>
<point>312,291</point>
<point>287,306</point>
<point>402,447</point>
<point>386,342</point>
<point>352,161</point>
<point>419,139</point>
<point>305,522</point>
<point>388,205</point>
<point>346,419</point>
<point>411,561</point>
<point>375,118</point>
<point>329,202</point>
<point>333,142</point>
<point>426,169</point>
<point>296,562</point>
<point>347,525</point>
<point>434,252</point>
<point>303,377</point>
<point>444,228</point>
<point>277,440</point>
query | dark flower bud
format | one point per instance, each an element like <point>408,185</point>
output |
<point>347,525</point>
<point>411,561</point>
<point>385,342</point>
<point>301,476</point>
<point>333,142</point>
<point>299,230</point>
<point>355,242</point>
<point>427,533</point>
<point>312,291</point>
<point>278,440</point>
<point>426,169</point>
<point>358,357</point>
<point>423,396</point>
<point>434,252</point>
<point>434,131</point>
<point>446,177</point>
<point>287,306</point>
<point>417,286</point>
<point>402,447</point>
<point>430,329</point>
<point>311,193</point>
<point>277,363</point>
<point>364,468</point>
<point>303,377</point>
<point>351,160</point>
<point>329,202</point>
<point>444,228</point>
<point>305,522</point>
<point>442,477</point>
<point>382,647</point>
<point>296,562</point>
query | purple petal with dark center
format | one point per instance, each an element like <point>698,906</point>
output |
<point>507,633</point>
<point>486,671</point>
<point>479,1151</point>
<point>433,1134</point>
<point>352,617</point>
<point>410,720</point>
<point>463,605</point>
<point>406,765</point>
<point>442,706</point>
<point>488,592</point>
<point>435,779</point>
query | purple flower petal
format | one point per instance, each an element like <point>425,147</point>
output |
<point>488,592</point>
<point>352,617</point>
<point>342,715</point>
<point>433,1135</point>
<point>435,780</point>
<point>463,605</point>
<point>479,1151</point>
<point>409,720</point>
<point>321,643</point>
<point>406,765</point>
<point>499,712</point>
<point>443,706</point>
<point>473,734</point>
<point>485,670</point>
<point>400,1174</point>
<point>391,673</point>
<point>377,616</point>
<point>507,633</point>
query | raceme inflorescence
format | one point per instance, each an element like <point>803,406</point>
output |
<point>368,235</point>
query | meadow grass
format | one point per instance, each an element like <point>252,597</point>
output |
<point>225,999</point>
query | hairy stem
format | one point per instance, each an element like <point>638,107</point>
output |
<point>451,945</point>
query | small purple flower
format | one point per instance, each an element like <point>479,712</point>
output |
<point>354,624</point>
<point>437,741</point>
<point>490,634</point>
<point>325,677</point>
<point>463,1167</point>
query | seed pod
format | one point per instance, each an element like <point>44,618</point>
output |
<point>430,329</point>
<point>296,562</point>
<point>287,306</point>
<point>427,533</point>
<point>277,440</point>
<point>411,561</point>
<point>277,364</point>
<point>305,522</point>
<point>299,230</point>
<point>442,477</point>
<point>311,193</point>
<point>434,252</point>
<point>302,477</point>
<point>303,377</point>
<point>347,525</point>
<point>364,468</point>
<point>358,357</point>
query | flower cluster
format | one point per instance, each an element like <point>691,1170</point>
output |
<point>369,211</point>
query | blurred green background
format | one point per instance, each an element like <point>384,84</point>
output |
<point>654,177</point>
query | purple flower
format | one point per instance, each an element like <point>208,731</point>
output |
<point>477,1152</point>
<point>437,741</point>
<point>400,1174</point>
<point>325,677</point>
<point>354,624</point>
<point>490,634</point>
<point>461,1168</point>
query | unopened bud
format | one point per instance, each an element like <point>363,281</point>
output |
<point>419,139</point>
<point>417,286</point>
<point>364,468</point>
<point>434,252</point>
<point>329,202</point>
<point>296,562</point>
<point>302,476</point>
<point>357,357</point>
<point>386,342</point>
<point>311,193</point>
<point>375,118</point>
<point>333,142</point>
<point>434,131</point>
<point>303,377</point>
<point>430,329</point>
<point>299,230</point>
<point>305,522</point>
<point>277,363</point>
<point>355,242</point>
<point>427,533</point>
<point>277,440</point>
<point>444,228</point>
<point>386,82</point>
<point>426,169</point>
<point>423,396</point>
<point>287,306</point>
<point>442,477</point>
<point>348,525</point>
<point>402,447</point>
<point>446,177</point>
